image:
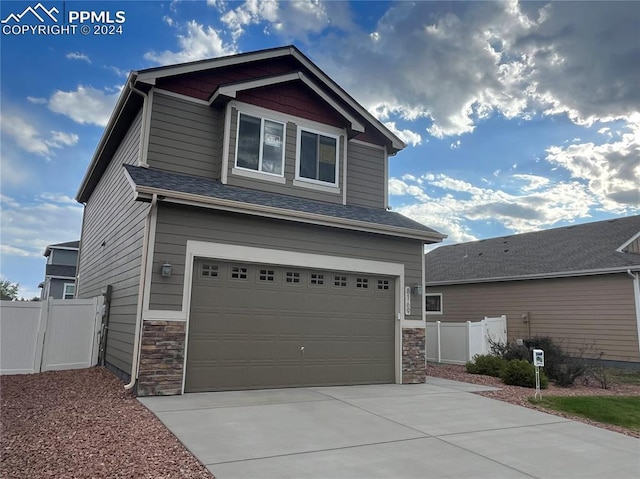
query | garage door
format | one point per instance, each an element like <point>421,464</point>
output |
<point>263,326</point>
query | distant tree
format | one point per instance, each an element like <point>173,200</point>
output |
<point>8,290</point>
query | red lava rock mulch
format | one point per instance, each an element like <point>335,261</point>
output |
<point>81,424</point>
<point>520,396</point>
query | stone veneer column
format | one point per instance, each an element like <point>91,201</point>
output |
<point>414,356</point>
<point>161,358</point>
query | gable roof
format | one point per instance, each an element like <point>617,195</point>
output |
<point>70,245</point>
<point>199,191</point>
<point>129,103</point>
<point>591,248</point>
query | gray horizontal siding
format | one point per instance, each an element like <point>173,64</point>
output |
<point>175,225</point>
<point>593,312</point>
<point>289,168</point>
<point>365,176</point>
<point>185,137</point>
<point>112,217</point>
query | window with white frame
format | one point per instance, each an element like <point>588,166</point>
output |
<point>434,303</point>
<point>69,291</point>
<point>260,144</point>
<point>317,157</point>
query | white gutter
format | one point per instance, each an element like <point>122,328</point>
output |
<point>551,275</point>
<point>141,284</point>
<point>636,294</point>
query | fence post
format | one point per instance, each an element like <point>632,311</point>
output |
<point>438,336</point>
<point>484,335</point>
<point>468,340</point>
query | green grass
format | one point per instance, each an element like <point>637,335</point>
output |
<point>618,410</point>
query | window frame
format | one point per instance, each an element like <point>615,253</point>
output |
<point>440,312</point>
<point>311,181</point>
<point>262,118</point>
<point>64,290</point>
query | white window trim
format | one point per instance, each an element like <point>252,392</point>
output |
<point>64,290</point>
<point>258,175</point>
<point>308,182</point>
<point>435,313</point>
<point>284,146</point>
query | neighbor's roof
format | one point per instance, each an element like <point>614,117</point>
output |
<point>211,193</point>
<point>129,103</point>
<point>590,248</point>
<point>67,245</point>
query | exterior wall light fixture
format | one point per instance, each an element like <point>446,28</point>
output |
<point>416,289</point>
<point>165,269</point>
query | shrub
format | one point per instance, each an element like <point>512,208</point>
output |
<point>559,366</point>
<point>486,364</point>
<point>510,351</point>
<point>520,372</point>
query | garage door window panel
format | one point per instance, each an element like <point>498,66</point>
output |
<point>209,271</point>
<point>239,273</point>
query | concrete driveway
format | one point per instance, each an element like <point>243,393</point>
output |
<point>433,430</point>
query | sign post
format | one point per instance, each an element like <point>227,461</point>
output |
<point>538,362</point>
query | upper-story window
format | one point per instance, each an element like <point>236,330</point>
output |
<point>260,144</point>
<point>317,157</point>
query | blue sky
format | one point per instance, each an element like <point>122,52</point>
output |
<point>517,116</point>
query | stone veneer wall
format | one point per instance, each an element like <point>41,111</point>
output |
<point>414,341</point>
<point>161,358</point>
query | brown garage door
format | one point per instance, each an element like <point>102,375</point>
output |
<point>263,326</point>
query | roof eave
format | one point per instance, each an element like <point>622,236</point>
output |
<point>282,213</point>
<point>550,275</point>
<point>82,195</point>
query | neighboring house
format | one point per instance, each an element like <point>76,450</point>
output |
<point>578,285</point>
<point>60,273</point>
<point>238,208</point>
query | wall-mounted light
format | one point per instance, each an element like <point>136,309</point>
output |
<point>165,269</point>
<point>416,289</point>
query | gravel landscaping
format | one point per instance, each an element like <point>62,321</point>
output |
<point>82,424</point>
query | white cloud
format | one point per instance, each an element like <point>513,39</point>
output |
<point>78,56</point>
<point>447,204</point>
<point>461,62</point>
<point>409,137</point>
<point>455,145</point>
<point>198,43</point>
<point>29,139</point>
<point>534,182</point>
<point>293,21</point>
<point>28,227</point>
<point>37,100</point>
<point>85,105</point>
<point>611,170</point>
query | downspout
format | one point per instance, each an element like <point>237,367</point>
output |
<point>636,294</point>
<point>143,274</point>
<point>143,125</point>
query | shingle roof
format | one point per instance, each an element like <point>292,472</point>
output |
<point>585,247</point>
<point>208,188</point>
<point>60,270</point>
<point>68,244</point>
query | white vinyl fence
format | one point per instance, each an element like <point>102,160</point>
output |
<point>457,343</point>
<point>49,335</point>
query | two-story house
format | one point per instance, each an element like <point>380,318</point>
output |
<point>60,271</point>
<point>238,208</point>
